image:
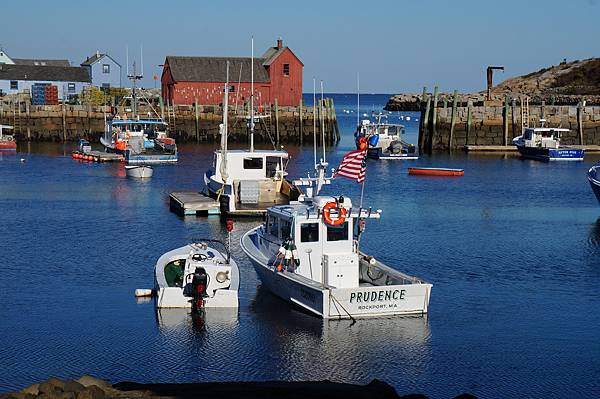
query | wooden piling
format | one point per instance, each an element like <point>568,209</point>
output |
<point>196,115</point>
<point>469,118</point>
<point>513,116</point>
<point>64,122</point>
<point>452,119</point>
<point>433,118</point>
<point>277,121</point>
<point>543,110</point>
<point>162,107</point>
<point>505,120</point>
<point>425,130</point>
<point>421,110</point>
<point>28,113</point>
<point>300,126</point>
<point>335,124</point>
<point>580,121</point>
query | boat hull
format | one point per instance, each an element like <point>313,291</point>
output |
<point>593,176</point>
<point>378,153</point>
<point>436,171</point>
<point>551,154</point>
<point>8,145</point>
<point>338,303</point>
<point>139,172</point>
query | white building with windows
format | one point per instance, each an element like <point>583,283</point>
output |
<point>104,70</point>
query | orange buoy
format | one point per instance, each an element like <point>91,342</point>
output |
<point>436,171</point>
<point>327,214</point>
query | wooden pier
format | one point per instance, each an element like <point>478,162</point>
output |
<point>97,156</point>
<point>186,203</point>
<point>590,149</point>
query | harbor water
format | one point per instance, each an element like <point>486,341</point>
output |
<point>512,249</point>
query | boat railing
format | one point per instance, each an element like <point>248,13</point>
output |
<point>361,213</point>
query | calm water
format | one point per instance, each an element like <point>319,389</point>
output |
<point>512,249</point>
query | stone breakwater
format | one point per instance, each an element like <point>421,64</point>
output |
<point>453,121</point>
<point>88,387</point>
<point>186,123</point>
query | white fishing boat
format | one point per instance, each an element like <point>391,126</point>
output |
<point>139,171</point>
<point>249,181</point>
<point>543,144</point>
<point>196,275</point>
<point>384,139</point>
<point>307,253</point>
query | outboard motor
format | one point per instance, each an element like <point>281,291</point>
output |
<point>199,285</point>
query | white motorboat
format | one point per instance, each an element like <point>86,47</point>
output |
<point>384,139</point>
<point>198,276</point>
<point>307,253</point>
<point>247,182</point>
<point>139,171</point>
<point>543,144</point>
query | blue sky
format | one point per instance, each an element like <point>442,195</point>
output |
<point>396,46</point>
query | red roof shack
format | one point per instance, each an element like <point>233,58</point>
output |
<point>277,76</point>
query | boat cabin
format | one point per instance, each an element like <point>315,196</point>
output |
<point>327,254</point>
<point>368,128</point>
<point>543,137</point>
<point>247,165</point>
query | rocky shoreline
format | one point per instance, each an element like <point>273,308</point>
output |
<point>88,387</point>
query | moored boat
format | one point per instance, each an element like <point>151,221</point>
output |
<point>197,275</point>
<point>307,253</point>
<point>436,171</point>
<point>7,141</point>
<point>543,144</point>
<point>139,171</point>
<point>593,176</point>
<point>384,139</point>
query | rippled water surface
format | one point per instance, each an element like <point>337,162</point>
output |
<point>512,249</point>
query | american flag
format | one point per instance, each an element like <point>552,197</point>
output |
<point>353,166</point>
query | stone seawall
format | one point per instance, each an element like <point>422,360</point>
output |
<point>186,123</point>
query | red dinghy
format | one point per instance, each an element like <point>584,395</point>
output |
<point>7,141</point>
<point>436,171</point>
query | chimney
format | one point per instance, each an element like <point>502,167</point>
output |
<point>98,53</point>
<point>279,43</point>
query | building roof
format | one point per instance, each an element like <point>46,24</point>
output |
<point>273,52</point>
<point>41,62</point>
<point>95,58</point>
<point>44,73</point>
<point>213,69</point>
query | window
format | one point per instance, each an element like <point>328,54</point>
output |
<point>273,226</point>
<point>106,85</point>
<point>105,68</point>
<point>286,229</point>
<point>337,233</point>
<point>309,232</point>
<point>253,163</point>
<point>231,89</point>
<point>14,85</point>
<point>272,166</point>
<point>286,69</point>
<point>71,87</point>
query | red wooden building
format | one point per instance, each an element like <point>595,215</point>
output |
<point>277,75</point>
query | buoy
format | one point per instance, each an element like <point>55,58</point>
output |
<point>141,292</point>
<point>22,160</point>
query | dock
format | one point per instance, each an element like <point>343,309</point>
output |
<point>97,156</point>
<point>591,149</point>
<point>186,203</point>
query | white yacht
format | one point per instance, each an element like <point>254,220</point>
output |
<point>307,253</point>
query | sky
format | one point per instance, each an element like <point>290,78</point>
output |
<point>395,46</point>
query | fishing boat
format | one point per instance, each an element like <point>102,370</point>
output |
<point>384,139</point>
<point>543,144</point>
<point>7,141</point>
<point>593,176</point>
<point>307,253</point>
<point>139,140</point>
<point>247,182</point>
<point>139,171</point>
<point>436,171</point>
<point>197,275</point>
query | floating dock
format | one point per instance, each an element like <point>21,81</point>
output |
<point>590,149</point>
<point>97,156</point>
<point>186,203</point>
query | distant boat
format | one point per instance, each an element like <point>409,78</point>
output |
<point>384,139</point>
<point>593,176</point>
<point>139,171</point>
<point>7,141</point>
<point>436,171</point>
<point>543,144</point>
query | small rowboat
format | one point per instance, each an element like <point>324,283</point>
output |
<point>436,171</point>
<point>138,171</point>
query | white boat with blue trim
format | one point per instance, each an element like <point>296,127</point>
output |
<point>543,144</point>
<point>384,139</point>
<point>307,253</point>
<point>593,176</point>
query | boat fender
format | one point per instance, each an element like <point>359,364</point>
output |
<point>362,143</point>
<point>288,256</point>
<point>143,292</point>
<point>327,214</point>
<point>295,255</point>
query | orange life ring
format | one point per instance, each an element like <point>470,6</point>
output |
<point>327,214</point>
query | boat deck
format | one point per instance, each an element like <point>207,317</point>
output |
<point>187,203</point>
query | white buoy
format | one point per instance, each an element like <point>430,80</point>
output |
<point>141,292</point>
<point>408,118</point>
<point>22,159</point>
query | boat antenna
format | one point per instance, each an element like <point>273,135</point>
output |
<point>223,168</point>
<point>357,98</point>
<point>142,59</point>
<point>127,59</point>
<point>315,117</point>
<point>322,122</point>
<point>252,98</point>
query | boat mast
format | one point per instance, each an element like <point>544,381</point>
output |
<point>315,118</point>
<point>134,78</point>
<point>223,166</point>
<point>322,122</point>
<point>252,98</point>
<point>358,99</point>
